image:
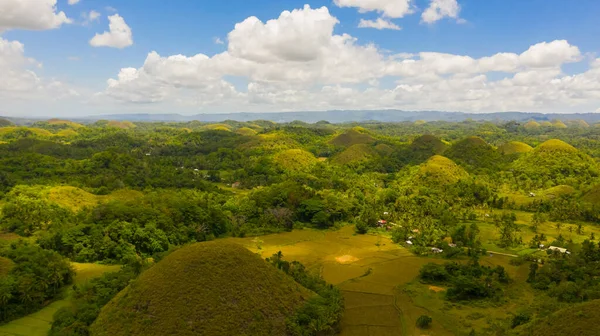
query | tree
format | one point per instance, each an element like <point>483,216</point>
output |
<point>424,321</point>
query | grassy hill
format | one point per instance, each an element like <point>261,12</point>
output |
<point>532,125</point>
<point>354,136</point>
<point>559,124</point>
<point>514,147</point>
<point>439,170</point>
<point>213,288</point>
<point>355,154</point>
<point>424,147</point>
<point>473,152</point>
<point>247,131</point>
<point>295,159</point>
<point>578,320</point>
<point>557,161</point>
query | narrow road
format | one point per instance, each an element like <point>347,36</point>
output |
<point>504,254</point>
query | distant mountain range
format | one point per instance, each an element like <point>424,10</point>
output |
<point>340,116</point>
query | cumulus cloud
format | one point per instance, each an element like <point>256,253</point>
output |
<point>73,2</point>
<point>118,36</point>
<point>378,24</point>
<point>389,8</point>
<point>218,40</point>
<point>439,9</point>
<point>298,62</point>
<point>19,79</point>
<point>30,15</point>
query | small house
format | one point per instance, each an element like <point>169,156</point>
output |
<point>415,231</point>
<point>386,213</point>
<point>236,185</point>
<point>559,249</point>
<point>382,222</point>
<point>436,250</point>
<point>542,246</point>
<point>531,194</point>
<point>409,242</point>
<point>452,245</point>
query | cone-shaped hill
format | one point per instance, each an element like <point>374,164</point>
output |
<point>355,154</point>
<point>514,147</point>
<point>474,153</point>
<point>295,159</point>
<point>556,160</point>
<point>213,288</point>
<point>424,147</point>
<point>438,171</point>
<point>532,125</point>
<point>559,124</point>
<point>354,136</point>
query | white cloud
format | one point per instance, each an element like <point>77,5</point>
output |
<point>378,24</point>
<point>30,15</point>
<point>389,8</point>
<point>335,71</point>
<point>218,40</point>
<point>19,80</point>
<point>439,9</point>
<point>549,54</point>
<point>110,9</point>
<point>73,2</point>
<point>118,36</point>
<point>90,17</point>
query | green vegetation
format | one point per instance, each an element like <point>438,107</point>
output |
<point>364,207</point>
<point>31,277</point>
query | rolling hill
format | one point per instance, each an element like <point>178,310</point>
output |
<point>514,147</point>
<point>556,160</point>
<point>438,171</point>
<point>212,288</point>
<point>352,137</point>
<point>474,153</point>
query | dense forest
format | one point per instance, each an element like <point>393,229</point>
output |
<point>450,193</point>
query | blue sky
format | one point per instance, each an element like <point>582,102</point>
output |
<point>324,79</point>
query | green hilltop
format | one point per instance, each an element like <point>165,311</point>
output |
<point>439,170</point>
<point>474,153</point>
<point>354,136</point>
<point>578,320</point>
<point>212,288</point>
<point>514,147</point>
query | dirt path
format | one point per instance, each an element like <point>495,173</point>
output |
<point>504,254</point>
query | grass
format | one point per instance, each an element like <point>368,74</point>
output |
<point>221,289</point>
<point>5,266</point>
<point>39,323</point>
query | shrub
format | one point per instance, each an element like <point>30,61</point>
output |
<point>424,321</point>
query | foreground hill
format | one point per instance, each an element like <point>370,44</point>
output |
<point>578,320</point>
<point>557,161</point>
<point>212,288</point>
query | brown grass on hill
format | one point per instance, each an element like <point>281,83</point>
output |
<point>212,288</point>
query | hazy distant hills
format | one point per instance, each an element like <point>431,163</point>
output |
<point>343,116</point>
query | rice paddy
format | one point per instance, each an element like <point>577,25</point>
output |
<point>377,278</point>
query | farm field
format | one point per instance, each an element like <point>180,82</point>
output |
<point>377,278</point>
